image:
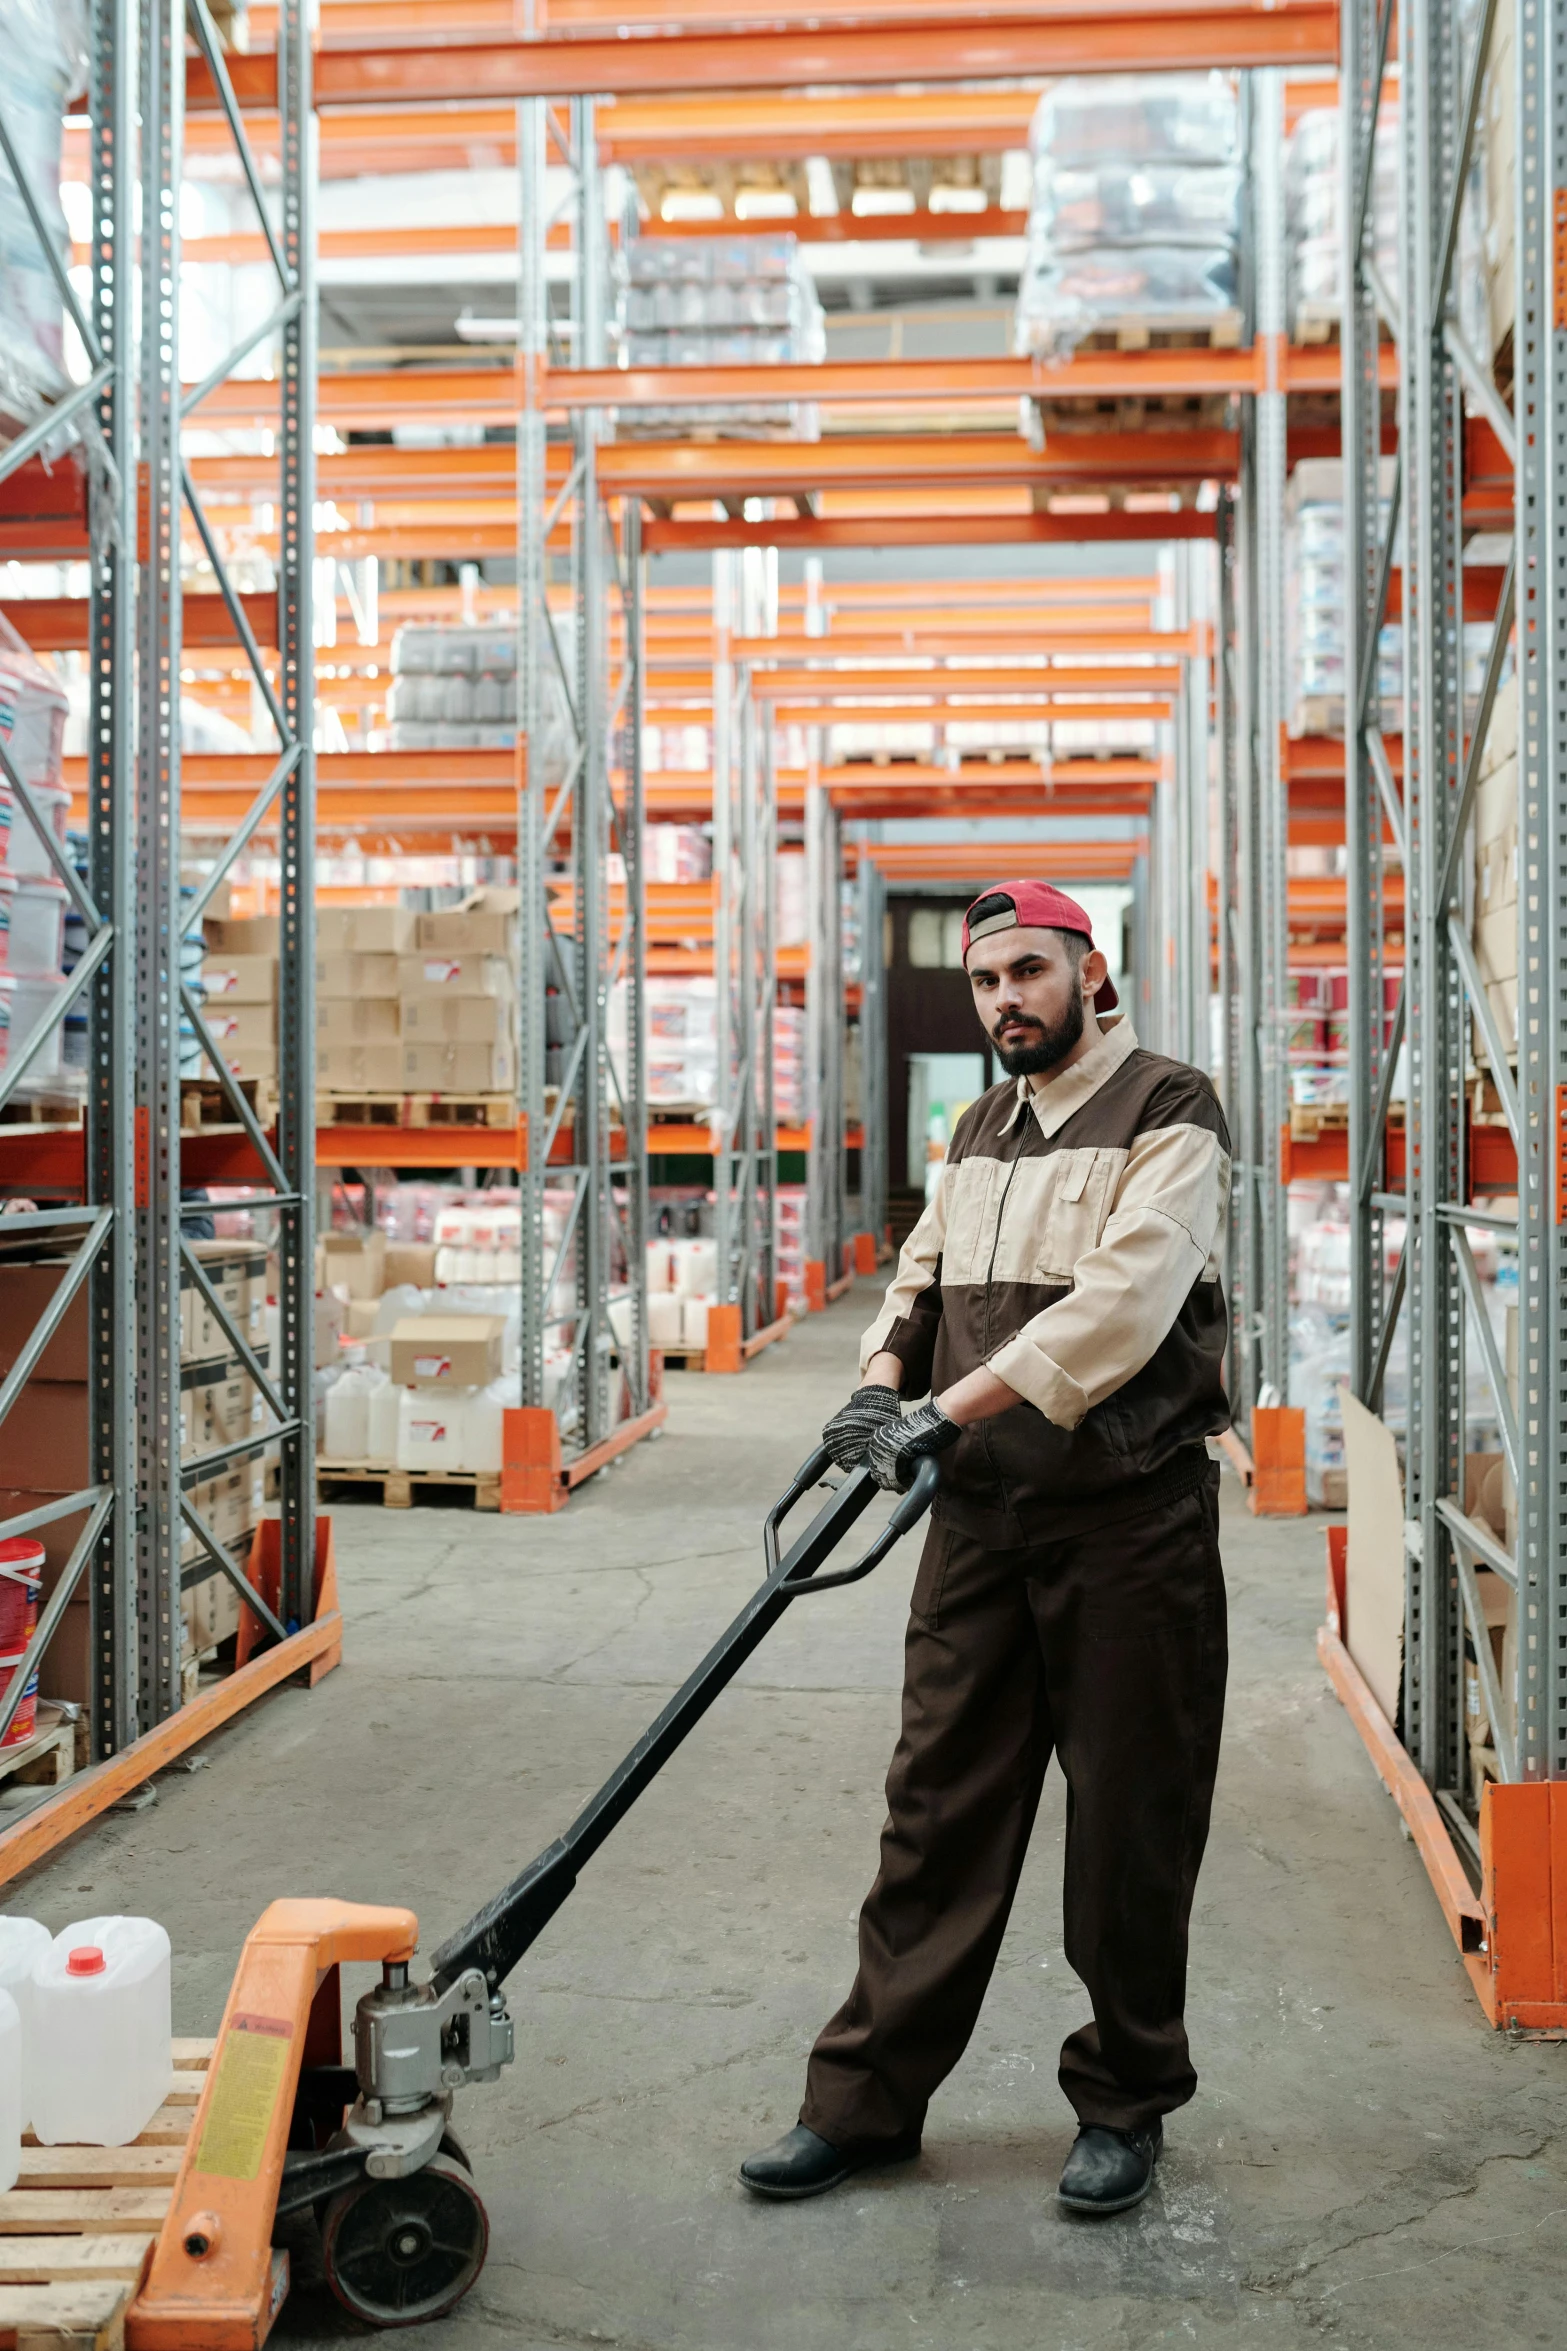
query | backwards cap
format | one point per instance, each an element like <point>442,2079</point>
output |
<point>1010,906</point>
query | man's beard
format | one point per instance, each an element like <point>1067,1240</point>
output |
<point>1046,1044</point>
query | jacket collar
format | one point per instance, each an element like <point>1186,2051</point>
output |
<point>1055,1099</point>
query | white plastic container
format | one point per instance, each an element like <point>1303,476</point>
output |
<point>696,1268</point>
<point>693,1321</point>
<point>101,2063</point>
<point>23,1943</point>
<point>381,1422</point>
<point>25,853</point>
<point>663,1319</point>
<point>347,1434</point>
<point>31,995</point>
<point>37,923</point>
<point>11,2092</point>
<point>430,1428</point>
<point>484,1424</point>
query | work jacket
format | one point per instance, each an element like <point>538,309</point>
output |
<point>1073,1245</point>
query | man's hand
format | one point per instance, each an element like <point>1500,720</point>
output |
<point>899,1446</point>
<point>848,1434</point>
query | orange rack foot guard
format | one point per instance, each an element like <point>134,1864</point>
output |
<point>216,2282</point>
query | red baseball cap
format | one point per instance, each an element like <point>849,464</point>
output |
<point>1034,906</point>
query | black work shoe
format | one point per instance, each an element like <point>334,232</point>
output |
<point>801,2164</point>
<point>1109,2171</point>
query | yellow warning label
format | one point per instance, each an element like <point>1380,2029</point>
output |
<point>247,2079</point>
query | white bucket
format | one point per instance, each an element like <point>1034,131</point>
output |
<point>103,2016</point>
<point>25,853</point>
<point>37,923</point>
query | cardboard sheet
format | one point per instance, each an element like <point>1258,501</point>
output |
<point>1374,1567</point>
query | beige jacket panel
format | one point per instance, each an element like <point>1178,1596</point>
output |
<point>916,1270</point>
<point>1161,1236</point>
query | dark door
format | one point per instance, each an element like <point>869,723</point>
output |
<point>930,1009</point>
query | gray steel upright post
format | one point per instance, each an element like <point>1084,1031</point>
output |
<point>873,1049</point>
<point>109,1112</point>
<point>632,1081</point>
<point>1360,85</point>
<point>297,929</point>
<point>726,923</point>
<point>1228,923</point>
<point>533,620</point>
<point>162,60</point>
<point>590,832</point>
<point>1430,439</point>
<point>1271,875</point>
<point>1252,1173</point>
<point>1540,393</point>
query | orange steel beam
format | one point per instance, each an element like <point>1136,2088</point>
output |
<point>972,527</point>
<point>942,46</point>
<point>58,624</point>
<point>1082,861</point>
<point>931,644</point>
<point>737,124</point>
<point>998,714</point>
<point>808,685</point>
<point>921,461</point>
<point>409,20</point>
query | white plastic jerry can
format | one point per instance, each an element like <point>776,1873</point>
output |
<point>101,2065</point>
<point>23,1943</point>
<point>10,2092</point>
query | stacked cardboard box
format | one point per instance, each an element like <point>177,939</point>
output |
<point>358,1047</point>
<point>459,998</point>
<point>220,1405</point>
<point>239,982</point>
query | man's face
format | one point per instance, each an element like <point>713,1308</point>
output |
<point>1032,996</point>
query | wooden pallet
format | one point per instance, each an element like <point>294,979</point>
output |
<point>684,1358</point>
<point>43,1110</point>
<point>1308,1120</point>
<point>397,1484</point>
<point>1081,412</point>
<point>360,1110</point>
<point>204,1104</point>
<point>48,1757</point>
<point>1316,322</point>
<point>462,1110</point>
<point>1171,330</point>
<point>77,2229</point>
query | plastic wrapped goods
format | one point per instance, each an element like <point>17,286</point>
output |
<point>1312,233</point>
<point>46,55</point>
<point>719,302</point>
<point>1134,217</point>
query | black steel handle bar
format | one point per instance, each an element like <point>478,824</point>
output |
<point>496,1937</point>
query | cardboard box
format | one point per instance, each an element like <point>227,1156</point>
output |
<point>25,1292</point>
<point>459,1069</point>
<point>328,1328</point>
<point>239,1028</point>
<point>237,1271</point>
<point>357,1020</point>
<point>354,1263</point>
<point>253,1061</point>
<point>365,930</point>
<point>467,1020</point>
<point>359,1318</point>
<point>447,1350</point>
<point>228,1409</point>
<point>356,975</point>
<point>484,924</point>
<point>441,972</point>
<point>412,1262</point>
<point>256,935</point>
<point>367,1069</point>
<point>240,979</point>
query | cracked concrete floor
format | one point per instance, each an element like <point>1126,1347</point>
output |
<point>1365,2164</point>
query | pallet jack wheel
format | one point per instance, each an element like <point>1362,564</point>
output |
<point>398,2252</point>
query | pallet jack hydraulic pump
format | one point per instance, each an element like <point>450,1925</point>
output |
<point>286,2127</point>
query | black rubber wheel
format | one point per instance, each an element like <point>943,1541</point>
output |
<point>398,2252</point>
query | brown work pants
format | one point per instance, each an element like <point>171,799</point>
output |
<point>1108,1648</point>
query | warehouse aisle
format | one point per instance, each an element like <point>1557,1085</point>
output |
<point>1365,2165</point>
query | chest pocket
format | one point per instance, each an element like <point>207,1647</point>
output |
<point>973,1189</point>
<point>1078,1189</point>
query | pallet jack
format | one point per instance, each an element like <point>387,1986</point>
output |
<point>285,2126</point>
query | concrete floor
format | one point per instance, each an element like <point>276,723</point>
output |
<point>1365,2164</point>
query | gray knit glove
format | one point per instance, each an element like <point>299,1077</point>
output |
<point>899,1446</point>
<point>848,1434</point>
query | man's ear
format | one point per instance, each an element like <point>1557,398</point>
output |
<point>1093,971</point>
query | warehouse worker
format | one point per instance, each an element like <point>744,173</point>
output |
<point>1059,1306</point>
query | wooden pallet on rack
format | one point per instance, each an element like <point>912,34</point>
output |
<point>1171,330</point>
<point>48,1757</point>
<point>204,1104</point>
<point>1309,1120</point>
<point>397,1484</point>
<point>77,2229</point>
<point>462,1110</point>
<point>360,1110</point>
<point>43,1110</point>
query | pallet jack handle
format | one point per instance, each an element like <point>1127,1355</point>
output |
<point>496,1938</point>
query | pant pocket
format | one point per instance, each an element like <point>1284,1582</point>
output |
<point>931,1575</point>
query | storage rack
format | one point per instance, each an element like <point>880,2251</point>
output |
<point>128,1164</point>
<point>1469,458</point>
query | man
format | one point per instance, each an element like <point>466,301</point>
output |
<point>1060,1303</point>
